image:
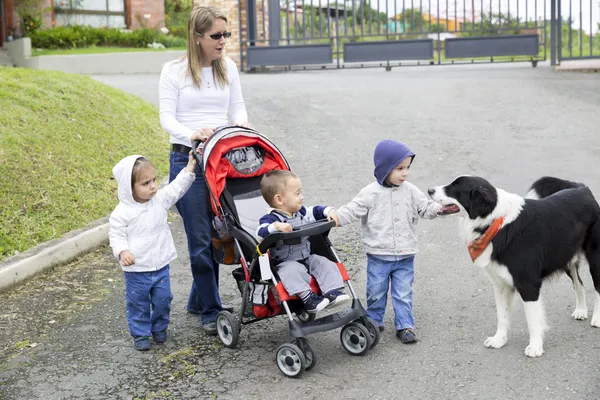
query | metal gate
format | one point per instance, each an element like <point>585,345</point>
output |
<point>358,33</point>
<point>576,31</point>
<point>308,34</point>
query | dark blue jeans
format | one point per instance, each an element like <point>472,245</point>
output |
<point>148,301</point>
<point>194,210</point>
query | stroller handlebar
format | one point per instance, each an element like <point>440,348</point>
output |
<point>312,229</point>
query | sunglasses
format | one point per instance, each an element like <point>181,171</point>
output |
<point>217,36</point>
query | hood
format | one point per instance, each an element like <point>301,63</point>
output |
<point>122,173</point>
<point>388,154</point>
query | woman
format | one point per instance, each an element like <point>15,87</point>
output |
<point>196,94</point>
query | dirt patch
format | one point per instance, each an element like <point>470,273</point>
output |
<point>39,305</point>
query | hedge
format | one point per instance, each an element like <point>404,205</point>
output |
<point>78,36</point>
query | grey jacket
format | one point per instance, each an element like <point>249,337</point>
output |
<point>389,217</point>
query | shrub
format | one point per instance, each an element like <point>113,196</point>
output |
<point>77,36</point>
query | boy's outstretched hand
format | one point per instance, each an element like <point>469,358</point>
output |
<point>333,215</point>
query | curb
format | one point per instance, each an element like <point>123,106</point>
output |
<point>55,252</point>
<point>579,66</point>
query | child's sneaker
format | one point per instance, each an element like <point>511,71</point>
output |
<point>315,303</point>
<point>406,336</point>
<point>336,297</point>
<point>160,337</point>
<point>142,343</point>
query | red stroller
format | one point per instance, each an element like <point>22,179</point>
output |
<point>234,159</point>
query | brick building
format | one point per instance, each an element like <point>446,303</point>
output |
<point>114,13</point>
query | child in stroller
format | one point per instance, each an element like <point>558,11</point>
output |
<point>282,190</point>
<point>234,160</point>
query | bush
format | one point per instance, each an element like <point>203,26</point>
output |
<point>30,24</point>
<point>78,36</point>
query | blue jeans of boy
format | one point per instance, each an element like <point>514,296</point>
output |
<point>194,210</point>
<point>381,274</point>
<point>148,301</point>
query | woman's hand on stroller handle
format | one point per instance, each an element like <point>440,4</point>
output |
<point>202,134</point>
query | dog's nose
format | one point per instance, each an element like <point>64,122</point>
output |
<point>431,191</point>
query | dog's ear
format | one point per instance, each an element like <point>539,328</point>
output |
<point>482,202</point>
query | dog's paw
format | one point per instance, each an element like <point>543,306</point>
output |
<point>580,313</point>
<point>595,320</point>
<point>534,350</point>
<point>496,341</point>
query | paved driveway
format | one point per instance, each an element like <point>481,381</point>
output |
<point>510,124</point>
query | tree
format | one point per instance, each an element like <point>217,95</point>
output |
<point>492,25</point>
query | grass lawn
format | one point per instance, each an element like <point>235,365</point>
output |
<point>60,136</point>
<point>95,50</point>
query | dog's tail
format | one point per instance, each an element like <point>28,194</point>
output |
<point>548,185</point>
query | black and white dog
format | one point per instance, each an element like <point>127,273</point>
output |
<point>522,241</point>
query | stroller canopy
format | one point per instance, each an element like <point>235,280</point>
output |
<point>234,152</point>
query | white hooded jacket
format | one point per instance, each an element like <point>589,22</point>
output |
<point>142,229</point>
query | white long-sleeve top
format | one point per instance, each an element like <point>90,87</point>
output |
<point>185,108</point>
<point>142,229</point>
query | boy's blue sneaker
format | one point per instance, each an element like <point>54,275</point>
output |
<point>160,337</point>
<point>142,343</point>
<point>315,303</point>
<point>336,297</point>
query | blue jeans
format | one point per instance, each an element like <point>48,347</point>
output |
<point>148,301</point>
<point>194,210</point>
<point>382,274</point>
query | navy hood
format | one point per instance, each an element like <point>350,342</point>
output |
<point>388,154</point>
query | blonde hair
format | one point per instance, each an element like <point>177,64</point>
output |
<point>274,182</point>
<point>201,20</point>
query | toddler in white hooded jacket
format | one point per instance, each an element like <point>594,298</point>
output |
<point>141,240</point>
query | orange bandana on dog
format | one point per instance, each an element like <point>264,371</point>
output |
<point>478,246</point>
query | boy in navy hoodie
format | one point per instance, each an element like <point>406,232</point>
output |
<point>389,210</point>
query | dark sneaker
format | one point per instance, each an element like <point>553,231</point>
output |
<point>160,337</point>
<point>380,328</point>
<point>336,297</point>
<point>406,336</point>
<point>315,303</point>
<point>142,343</point>
<point>210,328</point>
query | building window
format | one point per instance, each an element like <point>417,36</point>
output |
<point>96,13</point>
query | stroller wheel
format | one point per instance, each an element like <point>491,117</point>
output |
<point>309,352</point>
<point>290,360</point>
<point>305,316</point>
<point>373,331</point>
<point>228,329</point>
<point>355,339</point>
